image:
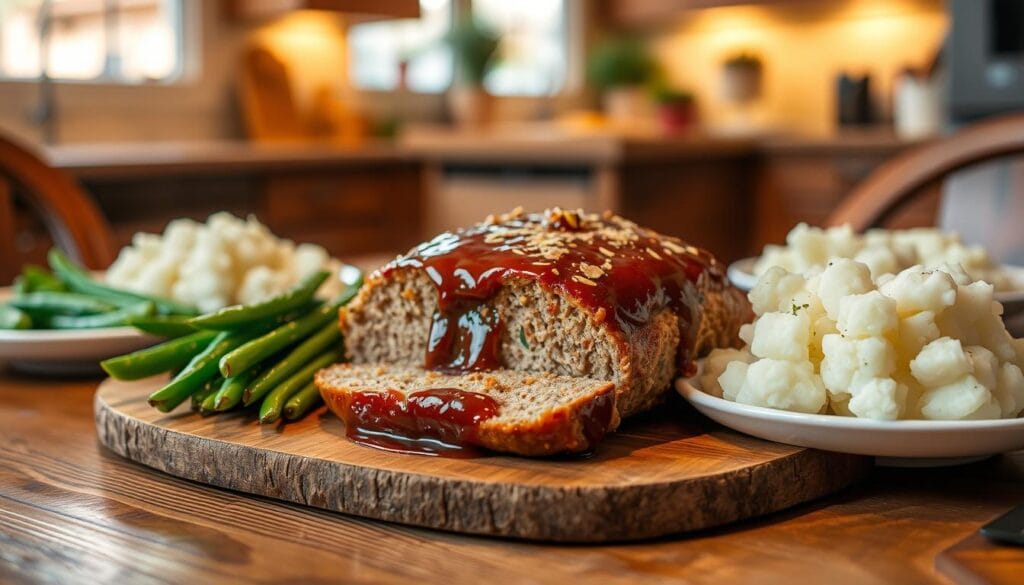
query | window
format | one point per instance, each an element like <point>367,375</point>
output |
<point>533,51</point>
<point>378,49</point>
<point>531,60</point>
<point>118,41</point>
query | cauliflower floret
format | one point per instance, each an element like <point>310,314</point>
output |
<point>878,398</point>
<point>781,336</point>
<point>965,398</point>
<point>1009,390</point>
<point>916,290</point>
<point>732,379</point>
<point>879,259</point>
<point>262,282</point>
<point>716,363</point>
<point>840,278</point>
<point>915,332</point>
<point>775,290</point>
<point>782,384</point>
<point>850,363</point>
<point>871,314</point>
<point>941,362</point>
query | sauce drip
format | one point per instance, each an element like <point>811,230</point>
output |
<point>620,272</point>
<point>435,421</point>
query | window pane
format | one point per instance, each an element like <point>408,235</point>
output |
<point>377,49</point>
<point>533,52</point>
<point>138,41</point>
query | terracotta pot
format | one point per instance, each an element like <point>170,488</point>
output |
<point>677,117</point>
<point>625,105</point>
<point>471,107</point>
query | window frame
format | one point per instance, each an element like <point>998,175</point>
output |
<point>187,40</point>
<point>574,14</point>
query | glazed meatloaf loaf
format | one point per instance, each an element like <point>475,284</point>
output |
<point>562,293</point>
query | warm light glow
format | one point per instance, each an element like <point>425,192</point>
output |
<point>311,43</point>
<point>803,47</point>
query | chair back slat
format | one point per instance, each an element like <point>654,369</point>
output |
<point>898,180</point>
<point>71,217</point>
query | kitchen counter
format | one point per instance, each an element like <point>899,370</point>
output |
<point>72,511</point>
<point>523,145</point>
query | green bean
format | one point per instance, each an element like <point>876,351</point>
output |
<point>200,369</point>
<point>241,315</point>
<point>79,280</point>
<point>60,303</point>
<point>165,357</point>
<point>37,279</point>
<point>302,402</point>
<point>267,345</point>
<point>295,359</point>
<point>208,389</point>
<point>111,319</point>
<point>163,325</point>
<point>270,409</point>
<point>12,318</point>
<point>230,392</point>
<point>209,405</point>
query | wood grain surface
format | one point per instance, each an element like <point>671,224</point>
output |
<point>659,475</point>
<point>72,511</point>
<point>977,560</point>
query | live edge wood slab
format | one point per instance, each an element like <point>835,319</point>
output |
<point>662,474</point>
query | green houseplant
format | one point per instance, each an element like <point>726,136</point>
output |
<point>677,109</point>
<point>619,68</point>
<point>473,47</point>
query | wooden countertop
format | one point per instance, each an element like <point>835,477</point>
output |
<point>536,145</point>
<point>71,511</point>
<point>163,158</point>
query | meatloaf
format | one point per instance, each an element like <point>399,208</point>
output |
<point>561,292</point>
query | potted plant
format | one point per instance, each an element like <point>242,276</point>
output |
<point>741,78</point>
<point>619,68</point>
<point>677,109</point>
<point>473,46</point>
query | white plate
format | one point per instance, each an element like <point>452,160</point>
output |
<point>741,274</point>
<point>912,442</point>
<point>72,351</point>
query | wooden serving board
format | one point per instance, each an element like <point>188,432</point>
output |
<point>664,473</point>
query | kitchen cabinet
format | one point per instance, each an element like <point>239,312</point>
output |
<point>641,13</point>
<point>804,180</point>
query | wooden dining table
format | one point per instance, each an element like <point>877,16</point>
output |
<point>73,512</point>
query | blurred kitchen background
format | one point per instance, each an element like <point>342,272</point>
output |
<point>366,125</point>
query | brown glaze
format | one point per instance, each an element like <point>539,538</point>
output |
<point>435,421</point>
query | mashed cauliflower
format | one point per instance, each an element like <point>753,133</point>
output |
<point>223,262</point>
<point>920,344</point>
<point>883,251</point>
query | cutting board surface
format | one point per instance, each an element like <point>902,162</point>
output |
<point>663,473</point>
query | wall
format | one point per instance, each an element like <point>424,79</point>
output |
<point>803,46</point>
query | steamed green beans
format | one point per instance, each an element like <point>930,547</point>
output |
<point>80,281</point>
<point>110,319</point>
<point>167,356</point>
<point>163,325</point>
<point>241,315</point>
<point>60,303</point>
<point>290,363</point>
<point>200,369</point>
<point>270,409</point>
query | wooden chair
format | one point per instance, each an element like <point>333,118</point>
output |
<point>69,214</point>
<point>898,180</point>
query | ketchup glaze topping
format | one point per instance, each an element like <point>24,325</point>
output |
<point>435,421</point>
<point>622,273</point>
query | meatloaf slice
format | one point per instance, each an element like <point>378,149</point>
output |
<point>534,414</point>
